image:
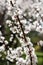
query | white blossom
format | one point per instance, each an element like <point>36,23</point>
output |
<point>2,48</point>
<point>40,43</point>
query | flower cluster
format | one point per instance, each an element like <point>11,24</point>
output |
<point>16,54</point>
<point>21,18</point>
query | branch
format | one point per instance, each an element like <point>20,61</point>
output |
<point>21,28</point>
